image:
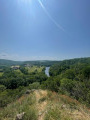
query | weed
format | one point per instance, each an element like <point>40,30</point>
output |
<point>42,99</point>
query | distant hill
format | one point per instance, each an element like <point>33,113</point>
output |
<point>66,64</point>
<point>41,62</point>
<point>4,62</point>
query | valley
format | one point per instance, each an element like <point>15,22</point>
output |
<point>46,91</point>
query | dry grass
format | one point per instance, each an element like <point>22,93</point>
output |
<point>65,108</point>
<point>46,105</point>
<point>41,103</point>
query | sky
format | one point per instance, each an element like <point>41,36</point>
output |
<point>44,29</point>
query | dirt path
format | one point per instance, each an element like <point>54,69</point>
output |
<point>41,103</point>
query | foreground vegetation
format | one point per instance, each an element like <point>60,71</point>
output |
<point>25,104</point>
<point>69,82</point>
<point>45,105</point>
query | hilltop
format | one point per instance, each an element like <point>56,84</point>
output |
<point>45,105</point>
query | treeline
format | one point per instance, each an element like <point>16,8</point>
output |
<point>71,77</point>
<point>5,63</point>
<point>67,64</point>
<point>41,63</point>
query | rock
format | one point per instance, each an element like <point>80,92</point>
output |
<point>28,92</point>
<point>63,106</point>
<point>20,116</point>
<point>40,113</point>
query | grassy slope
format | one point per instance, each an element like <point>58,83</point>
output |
<point>25,104</point>
<point>61,107</point>
<point>46,105</point>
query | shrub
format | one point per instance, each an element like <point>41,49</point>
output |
<point>35,85</point>
<point>2,88</point>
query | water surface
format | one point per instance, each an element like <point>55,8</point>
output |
<point>47,71</point>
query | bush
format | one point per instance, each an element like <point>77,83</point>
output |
<point>2,88</point>
<point>35,85</point>
<point>66,85</point>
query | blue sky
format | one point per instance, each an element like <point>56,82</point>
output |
<point>44,29</point>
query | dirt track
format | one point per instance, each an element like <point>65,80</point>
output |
<point>41,105</point>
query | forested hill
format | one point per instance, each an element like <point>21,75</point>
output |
<point>60,67</point>
<point>4,62</point>
<point>41,62</point>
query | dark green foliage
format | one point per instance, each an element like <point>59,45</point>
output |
<point>23,70</point>
<point>35,85</point>
<point>2,88</point>
<point>86,72</point>
<point>13,79</point>
<point>52,83</point>
<point>67,64</point>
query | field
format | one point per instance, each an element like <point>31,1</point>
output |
<point>34,69</point>
<point>1,73</point>
<point>19,72</point>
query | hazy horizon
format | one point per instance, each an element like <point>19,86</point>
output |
<point>44,29</point>
<point>44,59</point>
